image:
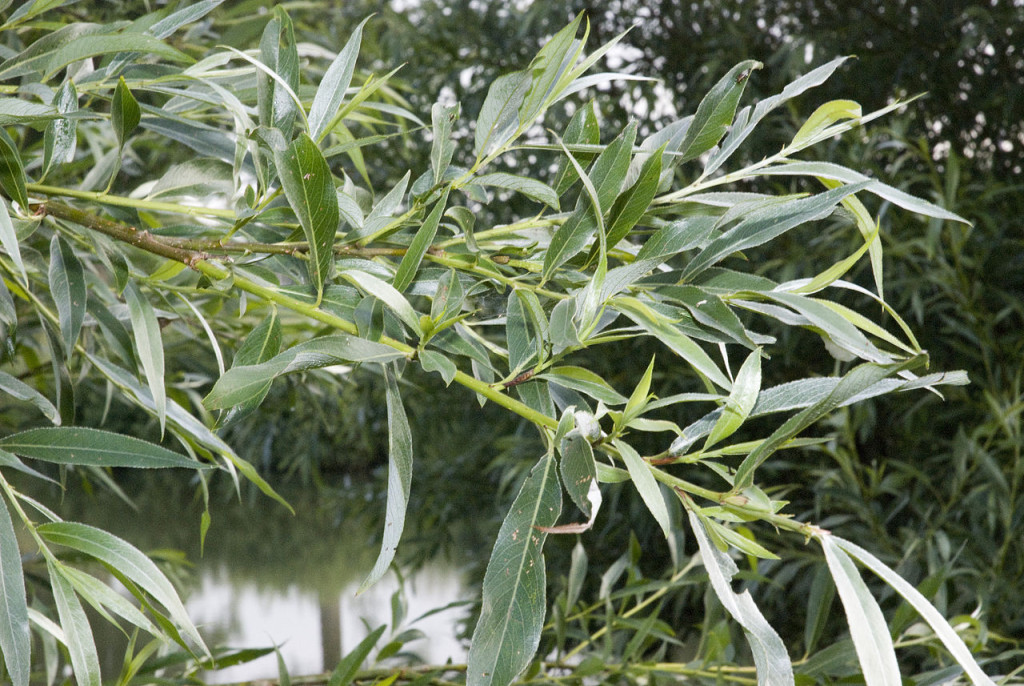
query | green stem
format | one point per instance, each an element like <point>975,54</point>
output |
<point>137,203</point>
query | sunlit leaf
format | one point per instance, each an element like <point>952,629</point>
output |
<point>773,664</point>
<point>531,188</point>
<point>347,669</point>
<point>307,183</point>
<point>716,111</point>
<point>15,641</point>
<point>650,492</point>
<point>499,115</point>
<point>741,399</point>
<point>331,91</point>
<point>149,345</point>
<point>420,244</point>
<point>78,637</point>
<point>867,625</point>
<point>512,615</point>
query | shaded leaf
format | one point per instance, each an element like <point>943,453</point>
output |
<point>387,294</point>
<point>84,446</point>
<point>18,389</point>
<point>61,135</point>
<point>12,172</point>
<point>399,479</point>
<point>421,242</point>
<point>85,47</point>
<point>9,239</point>
<point>631,205</point>
<point>124,112</point>
<point>442,148</point>
<point>306,179</point>
<point>347,669</point>
<point>584,381</point>
<point>531,188</point>
<point>67,286</point>
<point>512,615</point>
<point>499,115</point>
<point>276,86</point>
<point>715,112</point>
<point>583,129</point>
<point>578,469</point>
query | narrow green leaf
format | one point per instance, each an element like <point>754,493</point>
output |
<point>762,225</point>
<point>331,91</point>
<point>584,381</point>
<point>835,172</point>
<point>499,115</point>
<point>242,383</point>
<point>124,112</point>
<point>823,117</point>
<point>261,345</point>
<point>436,362</point>
<point>399,479</point>
<point>954,644</point>
<point>678,342</point>
<point>547,69</point>
<point>85,47</point>
<point>640,474</point>
<point>631,205</point>
<point>520,337</point>
<point>67,286</point>
<point>306,179</point>
<point>85,662</point>
<point>741,400</point>
<point>716,111</point>
<point>420,244</point>
<point>276,85</point>
<point>442,148</point>
<point>578,469</point>
<point>15,641</point>
<point>18,389</point>
<point>773,664</point>
<point>188,14</point>
<point>855,382</point>
<point>61,134</point>
<point>347,669</point>
<point>512,615</point>
<point>150,347</point>
<point>531,188</point>
<point>85,446</point>
<point>583,129</point>
<point>387,294</point>
<point>12,172</point>
<point>870,634</point>
<point>607,176</point>
<point>126,560</point>
<point>103,598</point>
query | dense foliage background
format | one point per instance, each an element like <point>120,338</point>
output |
<point>935,487</point>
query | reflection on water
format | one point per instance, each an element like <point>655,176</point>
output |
<point>313,631</point>
<point>269,578</point>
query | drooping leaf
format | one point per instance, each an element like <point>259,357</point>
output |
<point>103,597</point>
<point>149,346</point>
<point>85,661</point>
<point>531,188</point>
<point>715,112</point>
<point>128,561</point>
<point>67,286</point>
<point>15,641</point>
<point>306,179</point>
<point>242,383</point>
<point>954,644</point>
<point>646,485</point>
<point>578,469</point>
<point>761,226</point>
<point>420,244</point>
<point>867,624</point>
<point>124,112</point>
<point>399,479</point>
<point>331,91</point>
<point>88,46</point>
<point>387,294</point>
<point>585,381</point>
<point>774,667</point>
<point>85,446</point>
<point>12,171</point>
<point>18,389</point>
<point>512,616</point>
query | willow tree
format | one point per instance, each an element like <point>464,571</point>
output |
<point>161,192</point>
